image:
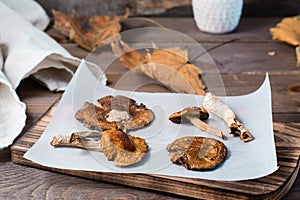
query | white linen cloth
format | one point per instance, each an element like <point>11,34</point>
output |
<point>27,51</point>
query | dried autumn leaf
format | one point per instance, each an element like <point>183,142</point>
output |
<point>129,57</point>
<point>168,66</point>
<point>88,32</point>
<point>174,71</point>
<point>288,30</point>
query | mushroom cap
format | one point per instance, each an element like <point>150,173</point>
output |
<point>99,117</point>
<point>180,116</point>
<point>125,150</point>
<point>197,153</point>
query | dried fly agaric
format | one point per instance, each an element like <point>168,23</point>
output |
<point>197,153</point>
<point>117,112</point>
<point>84,140</point>
<point>124,149</point>
<point>213,104</point>
<point>195,115</point>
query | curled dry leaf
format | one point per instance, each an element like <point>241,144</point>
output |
<point>288,30</point>
<point>168,66</point>
<point>88,32</point>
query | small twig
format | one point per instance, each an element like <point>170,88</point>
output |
<point>212,48</point>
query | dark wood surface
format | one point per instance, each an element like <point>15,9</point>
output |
<point>170,8</point>
<point>274,186</point>
<point>243,58</point>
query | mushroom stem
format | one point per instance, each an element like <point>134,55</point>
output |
<point>205,127</point>
<point>213,104</point>
<point>83,140</point>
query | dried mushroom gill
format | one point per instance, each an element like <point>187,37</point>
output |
<point>116,145</point>
<point>117,112</point>
<point>197,153</point>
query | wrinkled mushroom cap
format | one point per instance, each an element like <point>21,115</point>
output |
<point>125,150</point>
<point>197,112</point>
<point>197,153</point>
<point>117,112</point>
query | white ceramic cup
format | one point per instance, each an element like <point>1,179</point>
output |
<point>217,16</point>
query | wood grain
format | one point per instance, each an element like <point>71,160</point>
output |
<point>276,185</point>
<point>49,185</point>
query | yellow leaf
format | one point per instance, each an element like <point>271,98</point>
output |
<point>288,30</point>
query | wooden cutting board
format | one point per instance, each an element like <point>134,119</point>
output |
<point>274,186</point>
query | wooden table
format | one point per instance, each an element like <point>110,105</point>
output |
<point>243,57</point>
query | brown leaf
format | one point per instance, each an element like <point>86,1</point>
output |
<point>174,71</point>
<point>129,57</point>
<point>298,55</point>
<point>88,32</point>
<point>168,66</point>
<point>288,30</point>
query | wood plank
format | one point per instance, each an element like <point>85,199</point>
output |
<point>37,99</point>
<point>287,137</point>
<point>251,57</point>
<point>248,30</point>
<point>172,8</point>
<point>49,185</point>
<point>232,57</point>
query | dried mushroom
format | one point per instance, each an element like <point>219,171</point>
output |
<point>195,116</point>
<point>116,145</point>
<point>197,153</point>
<point>117,112</point>
<point>124,149</point>
<point>213,104</point>
<point>181,116</point>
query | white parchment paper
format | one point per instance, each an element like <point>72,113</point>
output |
<point>244,161</point>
